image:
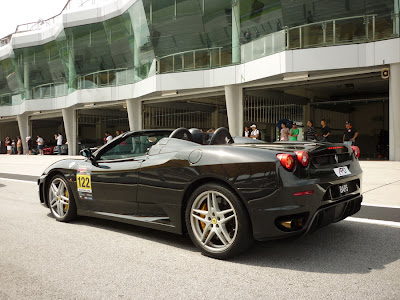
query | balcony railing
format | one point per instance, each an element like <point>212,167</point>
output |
<point>105,78</point>
<point>197,59</point>
<point>351,30</point>
<point>49,90</point>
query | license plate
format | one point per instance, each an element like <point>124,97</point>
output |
<point>342,171</point>
<point>343,189</point>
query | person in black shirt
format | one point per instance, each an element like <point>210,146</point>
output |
<point>311,133</point>
<point>326,131</point>
<point>350,134</point>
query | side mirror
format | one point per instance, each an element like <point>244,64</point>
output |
<point>88,154</point>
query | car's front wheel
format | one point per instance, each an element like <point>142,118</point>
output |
<point>217,222</point>
<point>61,200</point>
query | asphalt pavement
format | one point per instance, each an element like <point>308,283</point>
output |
<point>41,258</point>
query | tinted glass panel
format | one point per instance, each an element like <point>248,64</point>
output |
<point>132,146</point>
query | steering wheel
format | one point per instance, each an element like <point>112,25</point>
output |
<point>221,136</point>
<point>182,134</point>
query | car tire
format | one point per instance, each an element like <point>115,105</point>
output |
<point>222,231</point>
<point>61,199</point>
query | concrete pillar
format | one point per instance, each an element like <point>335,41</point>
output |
<point>235,31</point>
<point>72,84</point>
<point>394,112</point>
<point>100,130</point>
<point>306,113</point>
<point>27,83</point>
<point>23,125</point>
<point>234,108</point>
<point>215,119</point>
<point>396,18</point>
<point>135,111</point>
<point>70,125</point>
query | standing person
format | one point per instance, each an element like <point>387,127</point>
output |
<point>246,132</point>
<point>59,139</point>
<point>108,137</point>
<point>350,134</point>
<point>284,132</point>
<point>311,132</point>
<point>19,145</point>
<point>40,143</point>
<point>255,133</point>
<point>30,144</point>
<point>13,147</point>
<point>7,143</point>
<point>294,132</point>
<point>117,133</point>
<point>325,130</point>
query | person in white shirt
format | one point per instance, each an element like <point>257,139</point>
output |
<point>255,134</point>
<point>246,132</point>
<point>59,139</point>
<point>40,143</point>
<point>109,137</point>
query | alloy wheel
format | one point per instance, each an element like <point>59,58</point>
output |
<point>214,221</point>
<point>58,198</point>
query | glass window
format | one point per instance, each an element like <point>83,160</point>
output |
<point>132,146</point>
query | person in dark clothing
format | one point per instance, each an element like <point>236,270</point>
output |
<point>311,132</point>
<point>325,130</point>
<point>30,144</point>
<point>350,134</point>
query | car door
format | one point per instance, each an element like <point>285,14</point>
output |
<point>114,176</point>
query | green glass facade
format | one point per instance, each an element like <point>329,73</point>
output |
<point>155,36</point>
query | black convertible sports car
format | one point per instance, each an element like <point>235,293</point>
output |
<point>225,192</point>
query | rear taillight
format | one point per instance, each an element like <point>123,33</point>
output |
<point>287,161</point>
<point>356,151</point>
<point>303,158</point>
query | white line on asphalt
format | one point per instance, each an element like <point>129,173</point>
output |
<point>375,205</point>
<point>18,180</point>
<point>371,221</point>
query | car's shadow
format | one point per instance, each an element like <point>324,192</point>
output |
<point>345,247</point>
<point>175,240</point>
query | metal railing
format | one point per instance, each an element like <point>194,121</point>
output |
<point>349,30</point>
<point>270,110</point>
<point>198,59</point>
<point>269,44</point>
<point>332,32</point>
<point>170,117</point>
<point>49,90</point>
<point>102,78</point>
<point>8,99</point>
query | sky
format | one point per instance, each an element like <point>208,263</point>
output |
<point>15,12</point>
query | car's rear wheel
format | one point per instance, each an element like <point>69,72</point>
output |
<point>217,222</point>
<point>61,200</point>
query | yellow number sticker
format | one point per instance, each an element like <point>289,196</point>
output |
<point>84,183</point>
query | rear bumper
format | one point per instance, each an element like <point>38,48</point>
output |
<point>316,210</point>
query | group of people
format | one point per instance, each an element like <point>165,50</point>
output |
<point>254,133</point>
<point>349,136</point>
<point>108,137</point>
<point>13,146</point>
<point>16,147</point>
<point>291,134</point>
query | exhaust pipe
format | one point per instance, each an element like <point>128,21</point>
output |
<point>293,224</point>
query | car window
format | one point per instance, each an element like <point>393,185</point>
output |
<point>132,146</point>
